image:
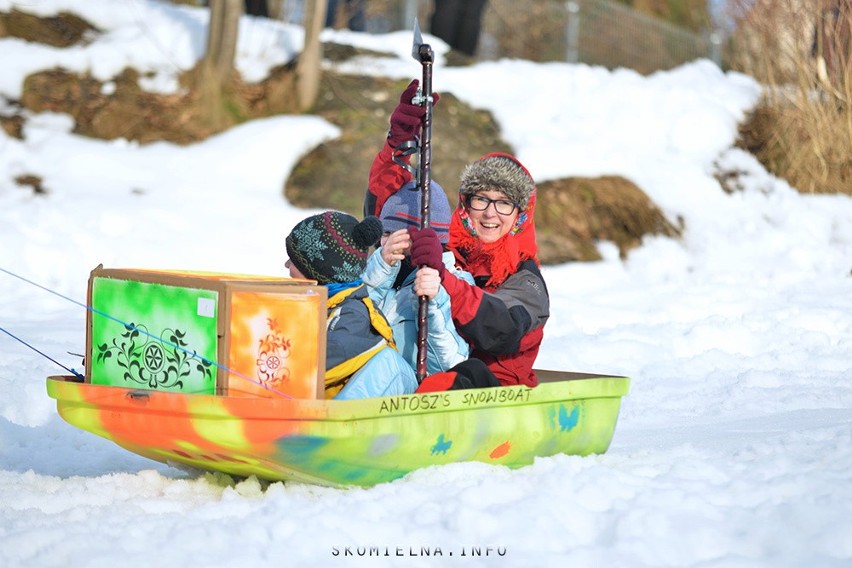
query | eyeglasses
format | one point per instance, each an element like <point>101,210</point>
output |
<point>481,203</point>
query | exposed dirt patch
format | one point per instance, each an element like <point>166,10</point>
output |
<point>33,182</point>
<point>63,30</point>
<point>13,125</point>
<point>121,109</point>
<point>572,214</point>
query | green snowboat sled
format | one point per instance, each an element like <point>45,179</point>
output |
<point>225,372</point>
<point>350,443</point>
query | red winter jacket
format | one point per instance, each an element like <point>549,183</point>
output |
<point>503,325</point>
<point>386,177</point>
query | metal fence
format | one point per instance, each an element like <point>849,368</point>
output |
<point>597,32</point>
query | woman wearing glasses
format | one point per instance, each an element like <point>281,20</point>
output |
<point>492,236</point>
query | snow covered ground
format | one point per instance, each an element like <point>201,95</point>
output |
<point>734,445</point>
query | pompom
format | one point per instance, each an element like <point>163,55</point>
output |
<point>367,232</point>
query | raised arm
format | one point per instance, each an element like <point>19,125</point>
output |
<point>388,172</point>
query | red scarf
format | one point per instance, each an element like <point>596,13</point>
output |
<point>500,259</point>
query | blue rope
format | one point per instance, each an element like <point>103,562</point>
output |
<point>134,328</point>
<point>72,371</point>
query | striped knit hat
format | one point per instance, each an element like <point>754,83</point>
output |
<point>402,210</point>
<point>332,247</point>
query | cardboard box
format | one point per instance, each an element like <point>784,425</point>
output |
<point>210,333</point>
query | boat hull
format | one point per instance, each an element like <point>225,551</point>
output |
<point>350,443</point>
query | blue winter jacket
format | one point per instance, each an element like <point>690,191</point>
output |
<point>385,374</point>
<point>444,346</point>
<point>354,341</point>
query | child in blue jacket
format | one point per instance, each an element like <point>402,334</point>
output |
<point>361,358</point>
<point>395,285</point>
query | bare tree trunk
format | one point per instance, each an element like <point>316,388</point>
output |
<point>308,72</point>
<point>222,38</point>
<point>217,66</point>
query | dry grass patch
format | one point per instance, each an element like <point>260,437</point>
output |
<point>801,52</point>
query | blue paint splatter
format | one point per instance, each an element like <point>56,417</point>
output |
<point>441,446</point>
<point>567,422</point>
<point>302,445</point>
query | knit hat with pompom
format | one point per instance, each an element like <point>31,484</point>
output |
<point>332,247</point>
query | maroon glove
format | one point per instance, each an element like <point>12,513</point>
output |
<point>426,249</point>
<point>407,118</point>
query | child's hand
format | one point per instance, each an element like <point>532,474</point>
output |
<point>427,281</point>
<point>395,246</point>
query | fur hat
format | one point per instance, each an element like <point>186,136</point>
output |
<point>332,247</point>
<point>498,172</point>
<point>402,210</point>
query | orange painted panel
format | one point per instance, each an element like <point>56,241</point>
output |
<point>273,338</point>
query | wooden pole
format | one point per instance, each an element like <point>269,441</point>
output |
<point>426,57</point>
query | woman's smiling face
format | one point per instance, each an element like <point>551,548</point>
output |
<point>488,223</point>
